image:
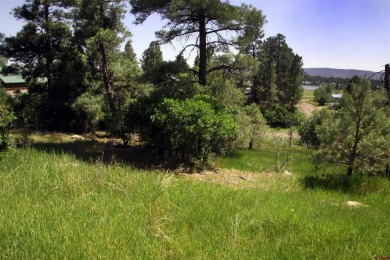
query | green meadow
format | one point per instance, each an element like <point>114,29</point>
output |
<point>308,95</point>
<point>57,204</point>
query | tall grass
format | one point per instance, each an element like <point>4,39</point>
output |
<point>298,159</point>
<point>55,206</point>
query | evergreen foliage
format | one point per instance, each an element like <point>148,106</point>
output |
<point>6,119</point>
<point>211,22</point>
<point>308,130</point>
<point>280,74</point>
<point>42,40</point>
<point>152,59</point>
<point>252,126</point>
<point>281,117</point>
<point>323,94</point>
<point>38,52</point>
<point>357,134</point>
<point>82,71</point>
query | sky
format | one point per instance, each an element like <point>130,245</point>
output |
<point>344,34</point>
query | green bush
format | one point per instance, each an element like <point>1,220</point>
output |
<point>323,94</point>
<point>6,119</point>
<point>192,129</point>
<point>281,117</point>
<point>36,110</point>
<point>89,107</point>
<point>307,130</point>
<point>139,113</point>
<point>252,126</point>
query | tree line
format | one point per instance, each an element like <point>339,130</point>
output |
<point>83,75</point>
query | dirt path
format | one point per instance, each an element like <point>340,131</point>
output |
<point>306,108</point>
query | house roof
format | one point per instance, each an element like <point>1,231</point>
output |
<point>337,96</point>
<point>11,79</point>
<point>17,79</point>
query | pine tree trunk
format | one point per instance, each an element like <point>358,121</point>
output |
<point>107,76</point>
<point>292,106</point>
<point>202,50</point>
<point>254,90</point>
<point>251,140</point>
<point>350,170</point>
<point>250,147</point>
<point>49,59</point>
<point>387,81</point>
<point>352,155</point>
<point>255,81</point>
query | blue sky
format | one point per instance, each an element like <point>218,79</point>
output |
<point>346,34</point>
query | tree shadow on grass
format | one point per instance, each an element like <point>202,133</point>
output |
<point>93,151</point>
<point>335,182</point>
<point>234,154</point>
<point>356,184</point>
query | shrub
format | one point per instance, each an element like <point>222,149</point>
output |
<point>139,113</point>
<point>192,129</point>
<point>308,132</point>
<point>89,107</point>
<point>251,126</point>
<point>6,119</point>
<point>35,111</point>
<point>281,117</point>
<point>323,94</point>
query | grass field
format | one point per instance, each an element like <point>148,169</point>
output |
<point>308,95</point>
<point>58,205</point>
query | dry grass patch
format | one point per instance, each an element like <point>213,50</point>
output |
<point>237,179</point>
<point>307,108</point>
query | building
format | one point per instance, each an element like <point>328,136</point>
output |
<point>13,84</point>
<point>336,97</point>
<point>335,100</point>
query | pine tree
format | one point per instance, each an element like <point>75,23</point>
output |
<point>206,21</point>
<point>38,46</point>
<point>287,75</point>
<point>99,32</point>
<point>356,135</point>
<point>152,59</point>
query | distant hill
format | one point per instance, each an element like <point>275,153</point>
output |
<point>340,73</point>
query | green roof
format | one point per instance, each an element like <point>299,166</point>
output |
<point>17,79</point>
<point>12,79</point>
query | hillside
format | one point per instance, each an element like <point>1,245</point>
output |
<point>340,73</point>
